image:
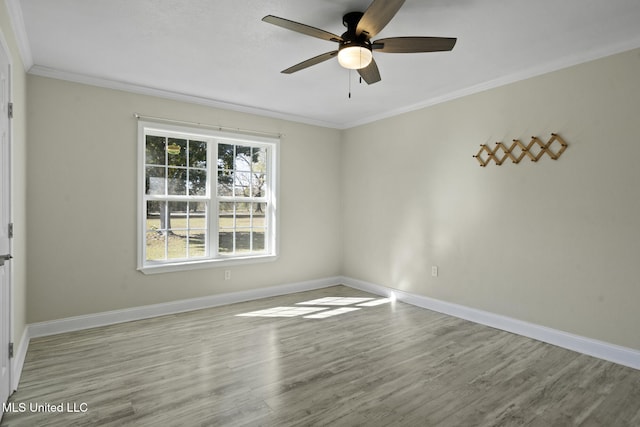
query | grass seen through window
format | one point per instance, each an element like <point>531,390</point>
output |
<point>244,228</point>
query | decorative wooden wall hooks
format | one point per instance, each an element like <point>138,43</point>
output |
<point>534,150</point>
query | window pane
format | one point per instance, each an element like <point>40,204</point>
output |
<point>156,230</point>
<point>198,154</point>
<point>177,229</point>
<point>225,156</point>
<point>242,184</point>
<point>155,181</point>
<point>225,183</point>
<point>243,239</point>
<point>225,241</point>
<point>197,215</point>
<point>226,224</point>
<point>243,158</point>
<point>243,214</point>
<point>258,227</point>
<point>155,149</point>
<point>259,160</point>
<point>178,216</point>
<point>177,181</point>
<point>177,246</point>
<point>155,245</point>
<point>258,239</point>
<point>226,218</point>
<point>154,222</point>
<point>258,181</point>
<point>177,152</point>
<point>197,182</point>
<point>197,229</point>
<point>197,243</point>
<point>258,214</point>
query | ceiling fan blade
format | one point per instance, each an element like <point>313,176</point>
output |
<point>414,44</point>
<point>302,28</point>
<point>309,62</point>
<point>370,73</point>
<point>377,16</point>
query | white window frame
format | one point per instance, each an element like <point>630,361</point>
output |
<point>212,137</point>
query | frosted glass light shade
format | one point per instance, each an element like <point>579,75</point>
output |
<point>354,57</point>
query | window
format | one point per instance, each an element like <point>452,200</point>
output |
<point>205,197</point>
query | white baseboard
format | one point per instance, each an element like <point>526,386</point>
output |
<point>18,359</point>
<point>77,323</point>
<point>600,349</point>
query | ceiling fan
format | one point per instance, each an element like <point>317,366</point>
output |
<point>355,48</point>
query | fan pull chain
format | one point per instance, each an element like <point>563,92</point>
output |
<point>350,78</point>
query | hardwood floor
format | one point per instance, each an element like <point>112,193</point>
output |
<point>391,364</point>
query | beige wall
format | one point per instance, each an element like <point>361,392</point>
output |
<point>19,181</point>
<point>82,206</point>
<point>556,243</point>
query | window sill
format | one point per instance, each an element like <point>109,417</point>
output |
<point>206,263</point>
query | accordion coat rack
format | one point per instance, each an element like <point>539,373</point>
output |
<point>518,150</point>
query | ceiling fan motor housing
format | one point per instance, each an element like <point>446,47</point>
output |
<point>351,20</point>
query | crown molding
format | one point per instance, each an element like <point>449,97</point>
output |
<point>14,10</point>
<point>569,61</point>
<point>38,70</point>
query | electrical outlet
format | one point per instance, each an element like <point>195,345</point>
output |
<point>227,275</point>
<point>434,271</point>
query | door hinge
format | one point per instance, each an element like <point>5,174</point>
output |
<point>10,230</point>
<point>10,110</point>
<point>10,350</point>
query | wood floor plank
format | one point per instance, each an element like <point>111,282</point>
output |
<point>386,365</point>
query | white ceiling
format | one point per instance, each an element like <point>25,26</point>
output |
<point>220,53</point>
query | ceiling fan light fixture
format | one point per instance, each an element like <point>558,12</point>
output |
<point>355,57</point>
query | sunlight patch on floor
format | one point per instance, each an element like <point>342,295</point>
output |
<point>282,312</point>
<point>329,313</point>
<point>335,301</point>
<point>319,308</point>
<point>375,302</point>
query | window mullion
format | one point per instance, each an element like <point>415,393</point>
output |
<point>235,227</point>
<point>188,221</point>
<point>166,229</point>
<point>251,208</point>
<point>212,188</point>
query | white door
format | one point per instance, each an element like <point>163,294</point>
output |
<point>5,215</point>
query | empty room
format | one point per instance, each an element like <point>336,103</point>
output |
<point>313,213</point>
